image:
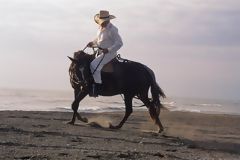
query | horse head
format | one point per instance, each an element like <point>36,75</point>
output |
<point>80,66</point>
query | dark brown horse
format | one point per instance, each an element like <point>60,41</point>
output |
<point>129,78</point>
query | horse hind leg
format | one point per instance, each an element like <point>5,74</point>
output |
<point>158,122</point>
<point>128,111</point>
<point>153,110</point>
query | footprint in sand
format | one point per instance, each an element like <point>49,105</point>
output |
<point>63,154</point>
<point>77,139</point>
<point>40,126</point>
<point>42,157</point>
<point>95,125</point>
<point>94,156</point>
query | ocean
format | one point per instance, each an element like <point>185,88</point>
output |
<point>41,100</point>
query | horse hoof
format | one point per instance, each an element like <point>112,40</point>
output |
<point>71,123</point>
<point>161,130</point>
<point>113,127</point>
<point>85,120</point>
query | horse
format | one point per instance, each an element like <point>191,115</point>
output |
<point>130,79</point>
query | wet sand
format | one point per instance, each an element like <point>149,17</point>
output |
<point>45,135</point>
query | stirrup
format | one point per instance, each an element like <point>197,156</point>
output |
<point>93,92</point>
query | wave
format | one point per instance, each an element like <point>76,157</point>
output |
<point>208,105</point>
<point>61,101</point>
<point>92,109</point>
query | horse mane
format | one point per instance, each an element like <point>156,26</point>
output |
<point>79,56</point>
<point>82,56</point>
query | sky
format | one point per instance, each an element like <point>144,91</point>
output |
<point>193,46</point>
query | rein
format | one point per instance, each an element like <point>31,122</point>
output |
<point>85,48</point>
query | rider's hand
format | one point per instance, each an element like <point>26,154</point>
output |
<point>105,50</point>
<point>90,44</point>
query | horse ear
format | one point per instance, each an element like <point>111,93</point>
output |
<point>72,59</point>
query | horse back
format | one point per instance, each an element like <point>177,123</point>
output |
<point>126,74</point>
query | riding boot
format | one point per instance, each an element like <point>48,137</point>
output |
<point>95,90</point>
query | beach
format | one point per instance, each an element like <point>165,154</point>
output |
<point>187,49</point>
<point>45,135</point>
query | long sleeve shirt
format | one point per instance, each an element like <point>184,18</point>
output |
<point>109,38</point>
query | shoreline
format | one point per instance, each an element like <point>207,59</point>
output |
<point>122,111</point>
<point>187,135</point>
<point>28,100</point>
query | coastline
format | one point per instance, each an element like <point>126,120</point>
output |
<point>187,135</point>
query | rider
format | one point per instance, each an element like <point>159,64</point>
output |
<point>109,41</point>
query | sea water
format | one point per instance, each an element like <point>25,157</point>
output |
<point>41,100</point>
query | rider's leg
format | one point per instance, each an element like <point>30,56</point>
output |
<point>98,63</point>
<point>102,59</point>
<point>96,66</point>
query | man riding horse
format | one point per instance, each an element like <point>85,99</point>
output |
<point>110,41</point>
<point>130,79</point>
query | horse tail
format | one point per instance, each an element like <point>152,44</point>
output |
<point>156,91</point>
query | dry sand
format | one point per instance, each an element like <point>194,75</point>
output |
<point>45,135</point>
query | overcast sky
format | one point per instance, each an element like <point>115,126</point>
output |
<point>192,45</point>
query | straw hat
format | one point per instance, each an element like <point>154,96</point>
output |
<point>103,16</point>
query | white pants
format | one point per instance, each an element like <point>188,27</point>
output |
<point>97,74</point>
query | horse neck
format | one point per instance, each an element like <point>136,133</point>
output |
<point>92,57</point>
<point>89,59</point>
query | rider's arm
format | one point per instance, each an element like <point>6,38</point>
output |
<point>117,41</point>
<point>94,42</point>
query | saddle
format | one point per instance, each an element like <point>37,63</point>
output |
<point>109,67</point>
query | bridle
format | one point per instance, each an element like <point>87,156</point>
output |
<point>73,74</point>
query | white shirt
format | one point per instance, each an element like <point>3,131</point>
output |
<point>109,38</point>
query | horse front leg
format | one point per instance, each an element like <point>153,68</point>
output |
<point>128,111</point>
<point>79,95</point>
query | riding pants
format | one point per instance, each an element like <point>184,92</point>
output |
<point>98,63</point>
